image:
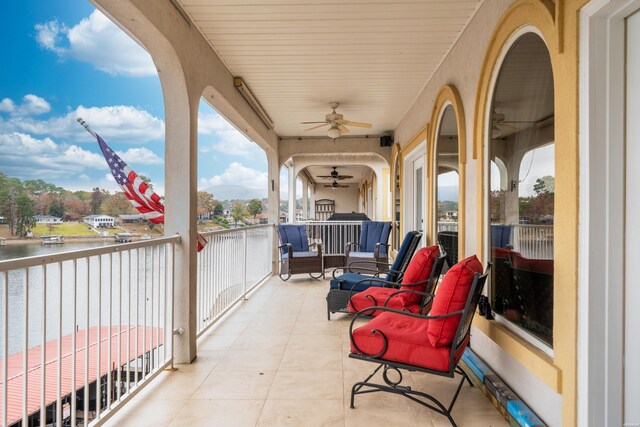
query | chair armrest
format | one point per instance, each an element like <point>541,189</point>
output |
<point>289,248</point>
<point>347,247</point>
<point>408,291</point>
<point>376,249</point>
<point>365,311</point>
<point>375,263</point>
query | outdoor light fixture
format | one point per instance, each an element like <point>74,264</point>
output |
<point>333,132</point>
<point>253,102</point>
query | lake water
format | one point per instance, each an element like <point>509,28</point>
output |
<point>130,282</point>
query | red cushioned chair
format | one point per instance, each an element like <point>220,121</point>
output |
<point>416,288</point>
<point>433,344</point>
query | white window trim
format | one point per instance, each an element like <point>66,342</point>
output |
<point>601,223</point>
<point>408,208</point>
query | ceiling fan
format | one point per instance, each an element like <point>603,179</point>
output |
<point>335,175</point>
<point>334,185</point>
<point>336,122</point>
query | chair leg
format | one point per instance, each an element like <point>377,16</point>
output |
<point>424,399</point>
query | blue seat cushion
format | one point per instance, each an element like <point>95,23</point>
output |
<point>361,255</point>
<point>348,280</point>
<point>294,234</point>
<point>300,254</point>
<point>374,232</point>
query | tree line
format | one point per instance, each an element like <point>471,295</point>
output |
<point>21,201</point>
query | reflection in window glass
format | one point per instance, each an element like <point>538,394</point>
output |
<point>521,190</point>
<point>447,185</point>
<point>396,212</point>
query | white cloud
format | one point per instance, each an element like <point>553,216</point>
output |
<point>32,105</point>
<point>98,41</point>
<point>119,122</point>
<point>24,156</point>
<point>226,138</point>
<point>7,105</point>
<point>237,174</point>
<point>140,156</point>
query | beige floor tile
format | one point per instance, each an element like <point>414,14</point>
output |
<point>315,360</point>
<point>306,385</point>
<point>250,360</point>
<point>217,342</point>
<point>227,413</point>
<point>302,413</point>
<point>249,341</point>
<point>312,327</point>
<point>236,385</point>
<point>272,327</point>
<point>152,412</point>
<point>316,341</point>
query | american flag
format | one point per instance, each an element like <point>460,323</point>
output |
<point>139,193</point>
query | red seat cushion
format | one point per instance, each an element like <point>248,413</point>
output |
<point>451,296</point>
<point>418,270</point>
<point>407,342</point>
<point>377,296</point>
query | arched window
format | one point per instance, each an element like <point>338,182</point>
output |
<point>521,189</point>
<point>447,184</point>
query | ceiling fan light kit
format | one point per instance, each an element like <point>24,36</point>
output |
<point>336,122</point>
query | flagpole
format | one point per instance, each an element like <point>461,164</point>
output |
<point>86,126</point>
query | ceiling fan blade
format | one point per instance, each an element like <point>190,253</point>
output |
<point>325,176</point>
<point>316,127</point>
<point>341,177</point>
<point>357,124</point>
<point>312,123</point>
<point>343,129</point>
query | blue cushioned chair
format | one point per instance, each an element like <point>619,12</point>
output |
<point>501,236</point>
<point>295,253</point>
<point>373,246</point>
<point>341,286</point>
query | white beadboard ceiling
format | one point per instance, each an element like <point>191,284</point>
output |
<point>372,56</point>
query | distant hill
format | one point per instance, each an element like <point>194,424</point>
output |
<point>230,192</point>
<point>448,193</point>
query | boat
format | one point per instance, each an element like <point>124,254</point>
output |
<point>124,237</point>
<point>145,237</point>
<point>53,239</point>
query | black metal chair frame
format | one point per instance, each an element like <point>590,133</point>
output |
<point>377,259</point>
<point>393,386</point>
<point>296,265</point>
<point>427,294</point>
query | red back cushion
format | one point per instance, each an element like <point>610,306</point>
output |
<point>451,296</point>
<point>418,270</point>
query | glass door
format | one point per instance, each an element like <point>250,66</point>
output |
<point>418,194</point>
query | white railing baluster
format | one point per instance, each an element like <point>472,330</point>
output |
<point>74,406</point>
<point>25,351</point>
<point>59,364</point>
<point>5,346</point>
<point>85,390</point>
<point>99,337</point>
<point>43,352</point>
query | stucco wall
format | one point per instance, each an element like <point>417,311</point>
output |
<point>346,198</point>
<point>461,69</point>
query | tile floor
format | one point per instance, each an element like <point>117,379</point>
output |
<point>276,361</point>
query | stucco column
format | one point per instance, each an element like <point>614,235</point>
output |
<point>305,198</point>
<point>292,192</point>
<point>312,203</point>
<point>180,215</point>
<point>273,192</point>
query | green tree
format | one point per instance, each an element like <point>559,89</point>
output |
<point>57,208</point>
<point>97,198</point>
<point>238,212</point>
<point>218,208</point>
<point>10,189</point>
<point>25,220</point>
<point>255,207</point>
<point>206,203</point>
<point>116,204</point>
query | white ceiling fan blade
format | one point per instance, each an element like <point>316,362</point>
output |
<point>312,123</point>
<point>316,127</point>
<point>343,129</point>
<point>357,124</point>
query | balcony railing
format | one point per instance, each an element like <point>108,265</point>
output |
<point>229,266</point>
<point>334,235</point>
<point>83,330</point>
<point>447,226</point>
<point>533,241</point>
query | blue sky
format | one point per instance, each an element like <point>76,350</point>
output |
<point>64,59</point>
